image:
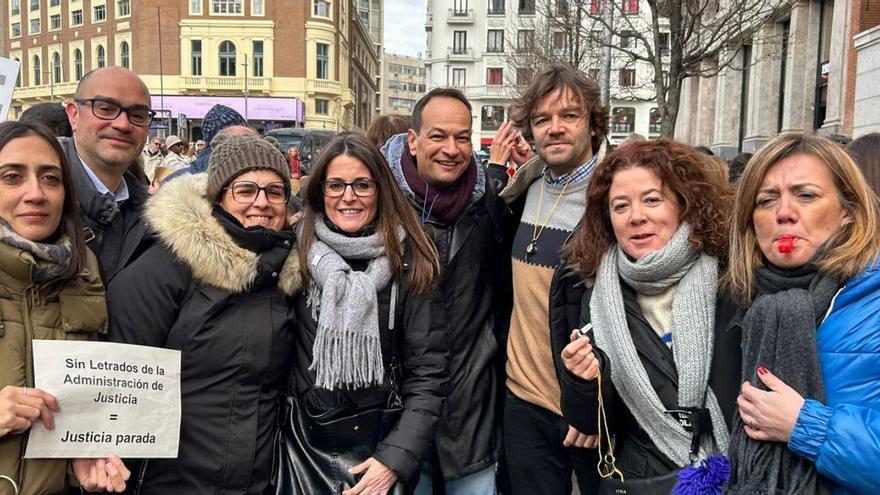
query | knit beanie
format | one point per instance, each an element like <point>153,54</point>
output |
<point>219,117</point>
<point>240,154</point>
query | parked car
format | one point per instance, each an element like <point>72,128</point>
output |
<point>307,141</point>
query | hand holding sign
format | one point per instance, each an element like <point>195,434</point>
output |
<point>107,475</point>
<point>21,406</point>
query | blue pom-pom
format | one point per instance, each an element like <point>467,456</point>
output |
<point>706,479</point>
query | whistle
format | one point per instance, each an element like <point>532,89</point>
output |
<point>785,245</point>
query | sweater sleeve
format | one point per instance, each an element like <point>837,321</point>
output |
<point>423,388</point>
<point>843,441</point>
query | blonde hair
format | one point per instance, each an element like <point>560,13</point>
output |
<point>847,253</point>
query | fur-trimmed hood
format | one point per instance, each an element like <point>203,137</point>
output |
<point>182,220</point>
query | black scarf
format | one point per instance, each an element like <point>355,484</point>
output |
<point>779,333</point>
<point>273,246</point>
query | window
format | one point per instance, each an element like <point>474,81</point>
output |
<point>37,71</point>
<point>76,18</point>
<point>527,7</point>
<point>35,4</point>
<point>101,56</point>
<point>491,117</point>
<point>321,8</point>
<point>77,64</point>
<point>226,6</point>
<point>124,55</point>
<point>459,41</point>
<point>627,40</point>
<point>623,119</point>
<point>627,78</point>
<point>525,40</point>
<point>56,68</point>
<point>406,103</point>
<point>257,7</point>
<point>495,41</point>
<point>494,77</point>
<point>322,107</point>
<point>99,13</point>
<point>561,8</point>
<point>595,6</point>
<point>16,29</point>
<point>54,3</point>
<point>195,6</point>
<point>655,122</point>
<point>196,60</point>
<point>496,7</point>
<point>322,69</point>
<point>54,22</point>
<point>630,7</point>
<point>227,59</point>
<point>18,79</point>
<point>458,77</point>
<point>258,58</point>
<point>460,7</point>
<point>524,76</point>
<point>560,40</point>
<point>596,38</point>
<point>663,43</point>
<point>35,26</point>
<point>16,7</point>
<point>123,8</point>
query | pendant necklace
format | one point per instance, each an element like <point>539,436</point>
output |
<point>537,230</point>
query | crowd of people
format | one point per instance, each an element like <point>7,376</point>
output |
<point>407,319</point>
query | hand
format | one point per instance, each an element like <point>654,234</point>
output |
<point>575,438</point>
<point>21,406</point>
<point>377,478</point>
<point>502,144</point>
<point>579,359</point>
<point>101,475</point>
<point>293,219</point>
<point>521,151</point>
<point>769,416</point>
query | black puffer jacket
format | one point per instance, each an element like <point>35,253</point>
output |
<point>471,254</point>
<point>228,310</point>
<point>637,456</point>
<point>422,358</point>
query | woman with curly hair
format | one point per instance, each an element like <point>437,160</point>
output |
<point>665,341</point>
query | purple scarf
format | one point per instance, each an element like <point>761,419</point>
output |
<point>445,205</point>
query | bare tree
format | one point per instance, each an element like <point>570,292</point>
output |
<point>672,41</point>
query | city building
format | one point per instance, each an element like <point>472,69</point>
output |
<point>482,47</point>
<point>403,83</point>
<point>280,62</point>
<point>815,77</point>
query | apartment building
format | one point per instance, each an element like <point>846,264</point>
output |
<point>403,83</point>
<point>280,62</point>
<point>481,47</point>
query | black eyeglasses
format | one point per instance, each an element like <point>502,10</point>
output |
<point>246,192</point>
<point>106,109</point>
<point>336,188</point>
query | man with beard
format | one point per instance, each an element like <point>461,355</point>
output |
<point>437,171</point>
<point>561,112</point>
<point>110,116</point>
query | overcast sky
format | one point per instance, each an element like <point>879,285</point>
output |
<point>405,27</point>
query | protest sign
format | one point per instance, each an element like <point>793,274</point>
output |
<point>116,399</point>
<point>8,76</point>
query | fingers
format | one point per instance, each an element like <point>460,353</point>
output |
<point>360,468</point>
<point>115,477</point>
<point>570,437</point>
<point>771,381</point>
<point>356,489</point>
<point>579,346</point>
<point>46,397</point>
<point>592,441</point>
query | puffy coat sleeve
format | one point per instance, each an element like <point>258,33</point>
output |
<point>143,300</point>
<point>843,441</point>
<point>423,388</point>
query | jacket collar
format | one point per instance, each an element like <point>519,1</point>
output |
<point>180,215</point>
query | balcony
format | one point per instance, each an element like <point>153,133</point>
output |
<point>460,17</point>
<point>429,20</point>
<point>324,86</point>
<point>201,83</point>
<point>461,54</point>
<point>501,91</point>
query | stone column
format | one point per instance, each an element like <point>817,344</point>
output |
<point>728,93</point>
<point>763,116</point>
<point>800,75</point>
<point>835,108</point>
<point>705,105</point>
<point>684,122</point>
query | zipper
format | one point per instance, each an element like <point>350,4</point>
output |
<point>142,474</point>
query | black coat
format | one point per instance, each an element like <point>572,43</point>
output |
<point>227,309</point>
<point>636,454</point>
<point>422,357</point>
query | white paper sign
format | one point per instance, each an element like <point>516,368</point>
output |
<point>115,399</point>
<point>8,76</point>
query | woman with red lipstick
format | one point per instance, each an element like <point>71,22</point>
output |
<point>641,278</point>
<point>804,245</point>
<point>49,289</point>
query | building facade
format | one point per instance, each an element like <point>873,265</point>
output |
<point>283,62</point>
<point>482,46</point>
<point>404,83</point>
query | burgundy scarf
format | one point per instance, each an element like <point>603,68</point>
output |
<point>445,205</point>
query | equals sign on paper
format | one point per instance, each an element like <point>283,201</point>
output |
<point>114,417</point>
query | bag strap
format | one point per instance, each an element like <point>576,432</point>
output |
<point>607,466</point>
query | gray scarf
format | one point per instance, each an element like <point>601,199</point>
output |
<point>779,333</point>
<point>693,335</point>
<point>347,351</point>
<point>52,259</point>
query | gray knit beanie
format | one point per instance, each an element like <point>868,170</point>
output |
<point>240,154</point>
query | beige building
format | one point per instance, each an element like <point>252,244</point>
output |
<point>403,83</point>
<point>281,62</point>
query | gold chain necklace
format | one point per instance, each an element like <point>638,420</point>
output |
<point>537,229</point>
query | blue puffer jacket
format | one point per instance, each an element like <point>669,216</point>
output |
<point>843,436</point>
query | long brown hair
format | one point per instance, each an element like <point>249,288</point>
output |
<point>705,199</point>
<point>393,211</point>
<point>71,224</point>
<point>847,252</point>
